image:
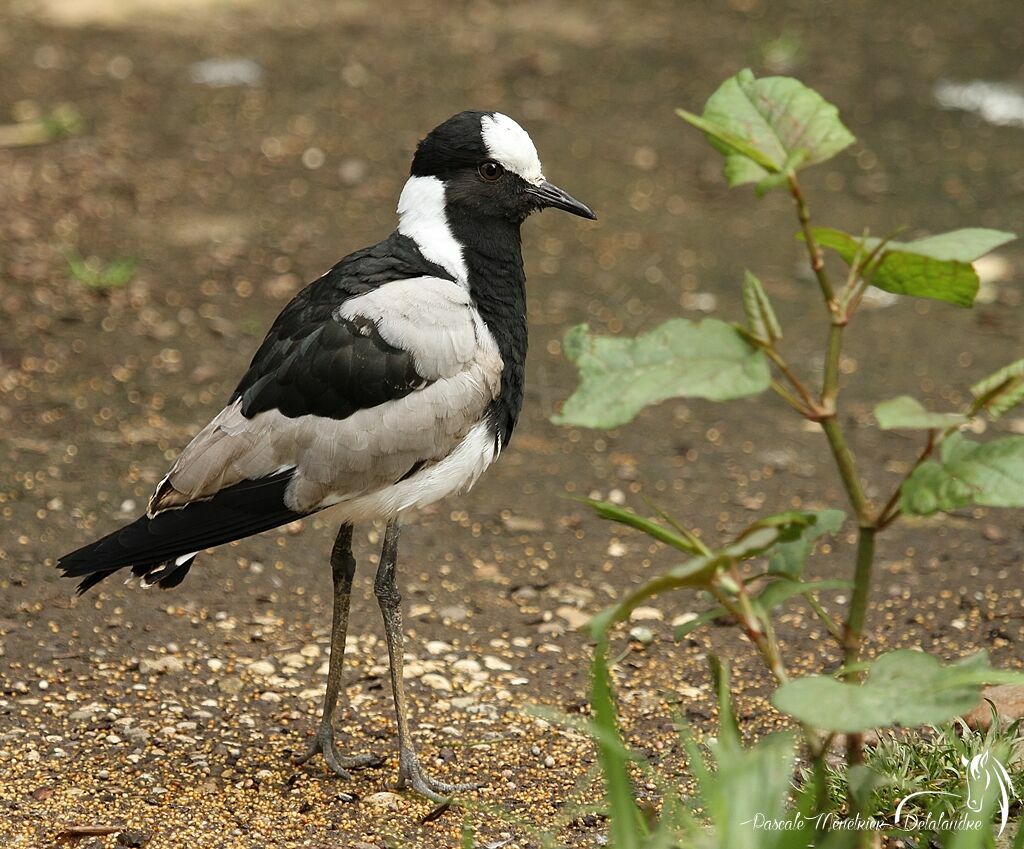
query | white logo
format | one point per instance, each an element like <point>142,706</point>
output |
<point>982,771</point>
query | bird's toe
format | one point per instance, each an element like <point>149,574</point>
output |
<point>340,765</point>
<point>412,776</point>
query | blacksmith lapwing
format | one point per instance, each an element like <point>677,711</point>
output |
<point>392,381</point>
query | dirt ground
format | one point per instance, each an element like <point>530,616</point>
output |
<point>172,716</point>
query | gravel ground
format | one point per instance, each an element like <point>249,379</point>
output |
<point>171,717</point>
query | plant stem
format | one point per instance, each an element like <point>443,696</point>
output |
<point>744,614</point>
<point>892,507</point>
<point>817,260</point>
<point>789,398</point>
<point>847,470</point>
<point>833,354</point>
<point>854,629</point>
<point>826,620</point>
<point>794,381</point>
<point>859,602</point>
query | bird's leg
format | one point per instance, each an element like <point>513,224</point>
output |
<point>343,567</point>
<point>410,773</point>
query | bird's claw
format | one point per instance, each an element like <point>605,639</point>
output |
<point>412,776</point>
<point>323,743</point>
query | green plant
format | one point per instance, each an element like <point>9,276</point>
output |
<point>94,274</point>
<point>64,121</point>
<point>928,767</point>
<point>768,130</point>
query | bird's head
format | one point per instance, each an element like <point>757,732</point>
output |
<point>489,167</point>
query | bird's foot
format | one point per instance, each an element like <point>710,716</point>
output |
<point>340,765</point>
<point>412,776</point>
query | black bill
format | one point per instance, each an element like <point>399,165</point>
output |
<point>549,195</point>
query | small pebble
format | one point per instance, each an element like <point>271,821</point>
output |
<point>384,799</point>
<point>437,682</point>
<point>642,634</point>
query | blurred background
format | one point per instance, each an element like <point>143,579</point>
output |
<point>173,171</point>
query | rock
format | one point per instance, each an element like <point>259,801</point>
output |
<point>83,715</point>
<point>455,612</point>
<point>220,72</point>
<point>412,669</point>
<point>160,665</point>
<point>231,685</point>
<point>467,665</point>
<point>437,682</point>
<point>137,736</point>
<point>642,634</point>
<point>262,667</point>
<point>573,615</point>
<point>517,524</point>
<point>384,799</point>
<point>437,647</point>
<point>1009,705</point>
<point>214,664</point>
<point>524,595</point>
<point>496,664</point>
<point>640,614</point>
<point>295,660</point>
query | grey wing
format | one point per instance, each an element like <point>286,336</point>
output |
<point>360,452</point>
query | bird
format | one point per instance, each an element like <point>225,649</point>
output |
<point>390,382</point>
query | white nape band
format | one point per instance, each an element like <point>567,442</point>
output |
<point>511,145</point>
<point>422,218</point>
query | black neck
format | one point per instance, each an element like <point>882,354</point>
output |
<point>497,283</point>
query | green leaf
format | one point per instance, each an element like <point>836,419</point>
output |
<point>937,267</point>
<point>679,359</point>
<point>701,618</point>
<point>788,558</point>
<point>772,596</point>
<point>627,824</point>
<point>906,413</point>
<point>768,532</point>
<point>697,572</point>
<point>990,474</point>
<point>760,316</point>
<point>728,728</point>
<point>727,140</point>
<point>904,688</point>
<point>773,181</point>
<point>769,126</point>
<point>1003,390</point>
<point>749,785</point>
<point>614,513</point>
<point>964,245</point>
<point>783,589</point>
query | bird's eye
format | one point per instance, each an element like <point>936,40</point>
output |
<point>490,171</point>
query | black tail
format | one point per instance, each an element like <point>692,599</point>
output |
<point>162,549</point>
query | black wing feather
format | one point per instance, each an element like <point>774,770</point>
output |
<point>312,363</point>
<point>149,543</point>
